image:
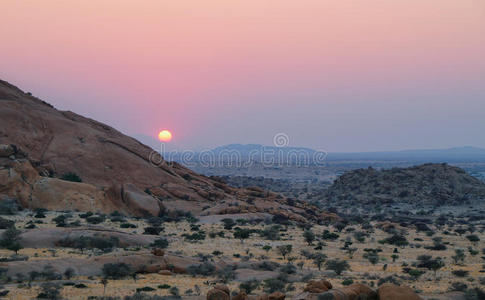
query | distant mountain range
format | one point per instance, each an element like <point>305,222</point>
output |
<point>257,152</point>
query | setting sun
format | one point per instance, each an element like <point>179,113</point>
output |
<point>165,136</point>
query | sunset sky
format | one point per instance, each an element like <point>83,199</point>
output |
<point>339,75</point>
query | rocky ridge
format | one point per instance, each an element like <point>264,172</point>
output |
<point>40,146</point>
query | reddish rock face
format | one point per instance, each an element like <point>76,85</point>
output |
<point>158,252</point>
<point>389,291</point>
<point>219,292</point>
<point>117,171</point>
<point>276,296</point>
<point>317,286</point>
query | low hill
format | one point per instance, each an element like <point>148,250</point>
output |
<point>60,160</point>
<point>428,184</point>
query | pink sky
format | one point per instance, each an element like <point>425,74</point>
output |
<point>339,75</point>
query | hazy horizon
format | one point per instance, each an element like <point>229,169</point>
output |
<point>349,76</point>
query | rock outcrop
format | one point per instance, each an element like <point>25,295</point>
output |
<point>219,292</point>
<point>318,286</point>
<point>40,145</point>
<point>389,291</point>
<point>140,262</point>
<point>428,184</point>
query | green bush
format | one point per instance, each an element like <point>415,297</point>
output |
<point>160,243</point>
<point>117,270</point>
<point>71,177</point>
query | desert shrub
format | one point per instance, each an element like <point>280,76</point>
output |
<point>90,242</point>
<point>69,273</point>
<point>116,270</point>
<point>71,176</point>
<point>271,233</point>
<point>80,286</point>
<point>205,269</point>
<point>460,273</point>
<point>145,289</point>
<point>85,215</point>
<point>273,285</point>
<point>160,243</point>
<point>127,225</point>
<point>117,219</point>
<point>164,286</point>
<point>249,286</point>
<point>347,281</point>
<point>10,239</point>
<point>197,236</point>
<point>228,223</point>
<point>15,257</point>
<point>458,286</point>
<point>396,240</point>
<point>459,256</point>
<point>415,273</point>
<point>288,269</point>
<point>48,273</point>
<point>242,233</point>
<point>226,274</point>
<point>327,235</point>
<point>9,207</point>
<point>5,224</point>
<point>95,219</point>
<point>473,238</point>
<point>267,265</point>
<point>152,230</point>
<point>284,250</point>
<point>309,236</point>
<point>61,220</point>
<point>337,265</point>
<point>389,279</point>
<point>40,213</point>
<point>50,290</point>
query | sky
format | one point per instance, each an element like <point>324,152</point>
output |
<point>335,75</point>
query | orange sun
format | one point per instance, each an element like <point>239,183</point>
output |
<point>165,136</point>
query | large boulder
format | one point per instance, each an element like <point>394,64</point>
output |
<point>276,296</point>
<point>317,286</point>
<point>219,292</point>
<point>389,291</point>
<point>141,262</point>
<point>354,291</point>
<point>53,237</point>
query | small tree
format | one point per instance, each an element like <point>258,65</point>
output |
<point>50,291</point>
<point>309,236</point>
<point>319,259</point>
<point>160,243</point>
<point>394,257</point>
<point>249,286</point>
<point>242,234</point>
<point>284,250</point>
<point>415,273</point>
<point>69,273</point>
<point>459,256</point>
<point>10,239</point>
<point>337,265</point>
<point>104,282</point>
<point>267,248</point>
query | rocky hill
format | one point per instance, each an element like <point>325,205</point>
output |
<point>59,160</point>
<point>428,184</point>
